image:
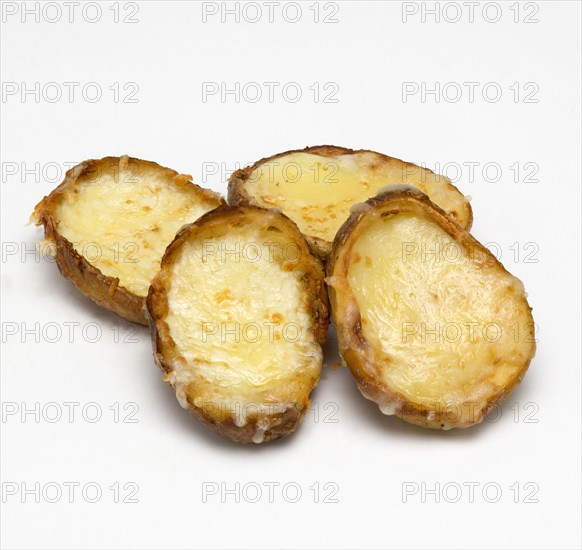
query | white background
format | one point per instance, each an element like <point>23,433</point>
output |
<point>368,53</point>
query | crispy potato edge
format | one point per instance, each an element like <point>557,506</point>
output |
<point>237,194</point>
<point>166,354</point>
<point>354,348</point>
<point>105,291</point>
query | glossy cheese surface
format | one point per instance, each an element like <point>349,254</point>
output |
<point>444,328</point>
<point>122,221</point>
<point>240,318</point>
<point>317,192</point>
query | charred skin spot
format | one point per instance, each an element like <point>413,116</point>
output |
<point>357,330</point>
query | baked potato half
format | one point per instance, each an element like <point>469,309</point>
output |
<point>431,325</point>
<point>109,223</point>
<point>238,312</point>
<point>316,187</point>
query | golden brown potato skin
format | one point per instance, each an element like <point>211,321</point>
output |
<point>166,353</point>
<point>238,196</point>
<point>354,348</point>
<point>103,290</point>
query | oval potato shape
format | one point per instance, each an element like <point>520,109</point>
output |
<point>431,325</point>
<point>316,187</point>
<point>109,222</point>
<point>238,313</point>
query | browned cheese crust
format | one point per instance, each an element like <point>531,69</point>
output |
<point>354,348</point>
<point>103,290</point>
<point>166,353</point>
<point>238,196</point>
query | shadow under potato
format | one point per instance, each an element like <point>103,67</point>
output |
<point>368,412</point>
<point>194,429</point>
<point>392,425</point>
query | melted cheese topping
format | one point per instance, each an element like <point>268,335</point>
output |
<point>122,223</point>
<point>317,192</point>
<point>444,328</point>
<point>241,321</point>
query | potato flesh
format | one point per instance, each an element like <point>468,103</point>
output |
<point>242,324</point>
<point>123,223</point>
<point>481,322</point>
<point>317,192</point>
